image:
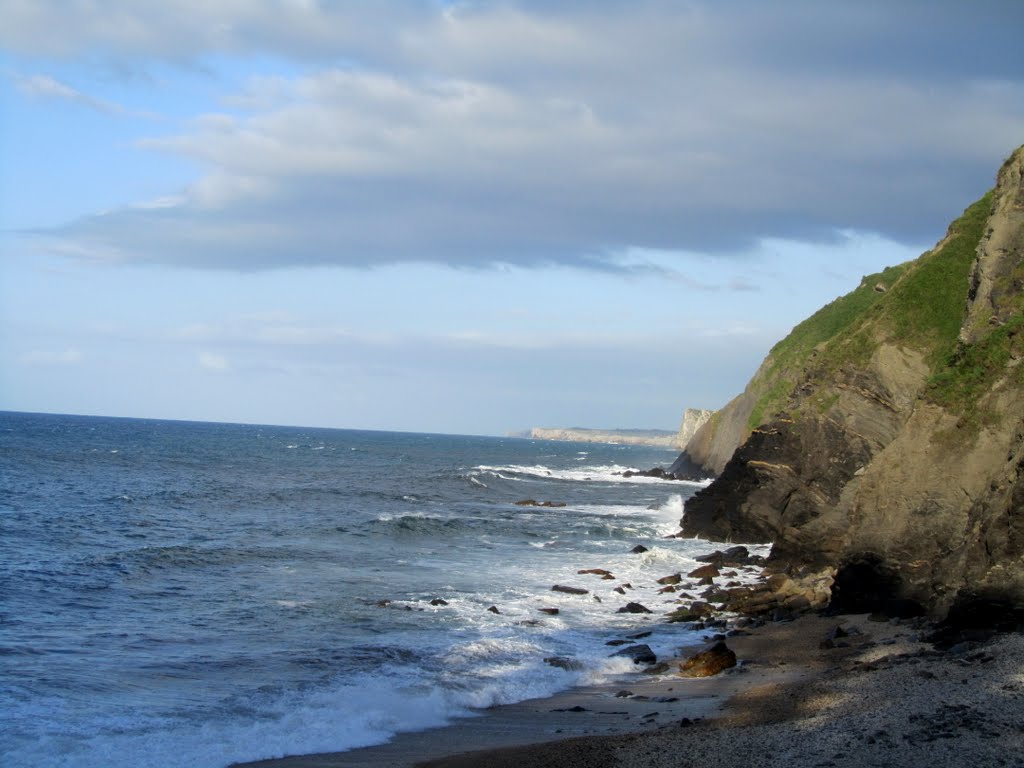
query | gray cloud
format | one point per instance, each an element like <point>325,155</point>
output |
<point>564,132</point>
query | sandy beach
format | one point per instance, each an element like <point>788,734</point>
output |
<point>803,694</point>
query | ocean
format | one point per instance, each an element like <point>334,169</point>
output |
<point>193,594</point>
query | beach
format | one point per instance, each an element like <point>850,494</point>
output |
<point>815,691</point>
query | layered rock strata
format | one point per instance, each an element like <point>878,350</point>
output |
<point>884,439</point>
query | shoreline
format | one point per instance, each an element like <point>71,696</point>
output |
<point>877,692</point>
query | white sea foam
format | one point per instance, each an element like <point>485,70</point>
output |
<point>359,713</point>
<point>607,473</point>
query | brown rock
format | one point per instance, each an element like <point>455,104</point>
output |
<point>704,571</point>
<point>709,662</point>
<point>675,578</point>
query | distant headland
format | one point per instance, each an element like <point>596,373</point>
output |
<point>693,419</point>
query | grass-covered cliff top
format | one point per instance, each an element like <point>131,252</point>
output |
<point>918,305</point>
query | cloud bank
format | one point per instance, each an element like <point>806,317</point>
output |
<point>553,133</point>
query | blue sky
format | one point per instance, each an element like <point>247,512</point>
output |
<point>466,217</point>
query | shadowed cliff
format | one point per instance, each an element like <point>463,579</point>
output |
<point>884,437</point>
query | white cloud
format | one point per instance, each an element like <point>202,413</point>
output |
<point>48,87</point>
<point>529,134</point>
<point>49,357</point>
<point>212,361</point>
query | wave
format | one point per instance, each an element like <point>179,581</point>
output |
<point>606,473</point>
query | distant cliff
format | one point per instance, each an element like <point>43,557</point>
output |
<point>693,419</point>
<point>655,437</point>
<point>883,440</point>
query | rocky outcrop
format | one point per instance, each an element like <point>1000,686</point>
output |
<point>884,439</point>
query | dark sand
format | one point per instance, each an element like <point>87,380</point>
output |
<point>885,699</point>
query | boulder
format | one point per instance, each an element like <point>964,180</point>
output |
<point>704,571</point>
<point>709,662</point>
<point>640,654</point>
<point>570,590</point>
<point>675,578</point>
<point>634,608</point>
<point>737,555</point>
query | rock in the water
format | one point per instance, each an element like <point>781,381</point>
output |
<point>570,590</point>
<point>570,665</point>
<point>549,611</point>
<point>595,571</point>
<point>696,611</point>
<point>535,503</point>
<point>494,609</point>
<point>704,571</point>
<point>738,555</point>
<point>675,578</point>
<point>639,549</point>
<point>640,654</point>
<point>438,601</point>
<point>634,608</point>
<point>710,662</point>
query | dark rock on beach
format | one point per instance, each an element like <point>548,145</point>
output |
<point>709,662</point>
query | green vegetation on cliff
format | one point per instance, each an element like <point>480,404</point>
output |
<point>919,305</point>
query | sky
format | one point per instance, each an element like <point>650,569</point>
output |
<point>466,217</point>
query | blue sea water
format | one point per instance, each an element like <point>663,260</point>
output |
<point>193,594</point>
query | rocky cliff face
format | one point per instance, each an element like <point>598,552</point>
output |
<point>883,441</point>
<point>693,420</point>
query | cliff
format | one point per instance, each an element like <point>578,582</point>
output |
<point>693,419</point>
<point>662,438</point>
<point>882,441</point>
